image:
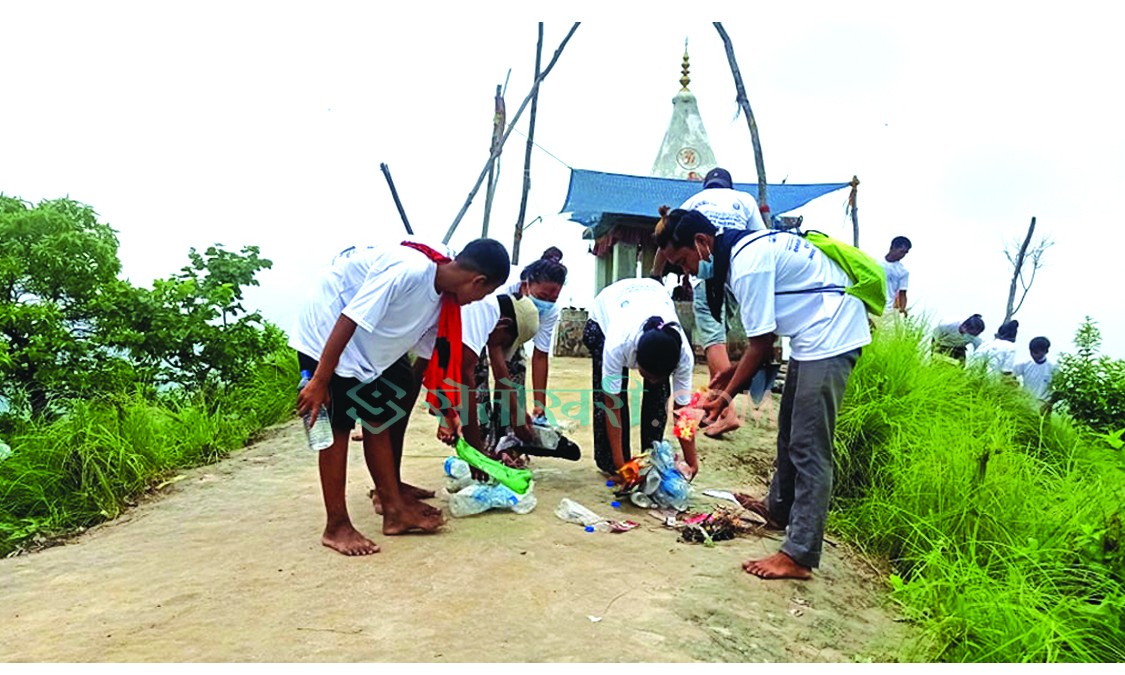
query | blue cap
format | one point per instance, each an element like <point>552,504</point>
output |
<point>610,483</point>
<point>615,504</point>
<point>589,528</point>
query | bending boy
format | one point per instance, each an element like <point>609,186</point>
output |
<point>366,312</point>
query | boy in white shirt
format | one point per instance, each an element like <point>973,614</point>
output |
<point>1036,374</point>
<point>366,312</point>
<point>783,285</point>
<point>999,354</point>
<point>897,275</point>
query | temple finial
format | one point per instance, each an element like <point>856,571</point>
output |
<point>685,79</point>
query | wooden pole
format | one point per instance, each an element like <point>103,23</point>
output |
<point>511,125</point>
<point>394,193</point>
<point>518,237</point>
<point>740,90</point>
<point>497,127</point>
<point>854,208</point>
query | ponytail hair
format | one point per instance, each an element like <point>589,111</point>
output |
<point>679,227</point>
<point>659,346</point>
<point>554,254</point>
<point>547,269</point>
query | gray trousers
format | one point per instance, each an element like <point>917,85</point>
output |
<point>802,483</point>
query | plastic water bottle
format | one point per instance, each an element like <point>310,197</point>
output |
<point>319,432</point>
<point>457,473</point>
<point>480,497</point>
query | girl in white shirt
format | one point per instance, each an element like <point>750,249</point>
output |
<point>542,282</point>
<point>633,325</point>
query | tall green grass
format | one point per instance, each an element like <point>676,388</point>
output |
<point>1004,527</point>
<point>87,466</point>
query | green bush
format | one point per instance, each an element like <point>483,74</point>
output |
<point>1003,526</point>
<point>1091,387</point>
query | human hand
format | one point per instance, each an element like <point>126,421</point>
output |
<point>449,429</point>
<point>722,378</point>
<point>713,405</point>
<point>311,397</point>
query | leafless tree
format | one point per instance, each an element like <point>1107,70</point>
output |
<point>1021,256</point>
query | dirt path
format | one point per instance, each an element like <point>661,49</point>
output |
<point>226,565</point>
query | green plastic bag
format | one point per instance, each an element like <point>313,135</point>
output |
<point>869,279</point>
<point>517,480</point>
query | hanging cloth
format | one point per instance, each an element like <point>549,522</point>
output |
<point>443,374</point>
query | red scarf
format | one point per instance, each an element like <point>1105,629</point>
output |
<point>443,374</point>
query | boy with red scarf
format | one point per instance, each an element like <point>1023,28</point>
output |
<point>372,306</point>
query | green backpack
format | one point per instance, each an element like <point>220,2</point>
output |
<point>869,279</point>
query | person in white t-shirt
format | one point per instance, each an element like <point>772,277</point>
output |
<point>897,275</point>
<point>784,286</point>
<point>1035,374</point>
<point>999,354</point>
<point>633,325</point>
<point>727,209</point>
<point>542,282</point>
<point>365,312</point>
<point>952,338</point>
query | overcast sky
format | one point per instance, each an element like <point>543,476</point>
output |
<point>186,124</point>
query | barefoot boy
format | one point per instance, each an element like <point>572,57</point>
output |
<point>783,285</point>
<point>366,312</point>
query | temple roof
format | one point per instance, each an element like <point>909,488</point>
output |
<point>686,152</point>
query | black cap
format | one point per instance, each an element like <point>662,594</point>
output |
<point>717,178</point>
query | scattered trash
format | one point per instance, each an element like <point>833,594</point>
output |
<point>457,474</point>
<point>573,512</point>
<point>657,476</point>
<point>593,619</point>
<point>722,494</point>
<point>719,525</point>
<point>688,418</point>
<point>615,504</point>
<point>796,612</point>
<point>480,497</point>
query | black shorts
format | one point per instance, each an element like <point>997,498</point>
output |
<point>380,402</point>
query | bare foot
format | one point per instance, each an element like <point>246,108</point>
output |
<point>411,502</point>
<point>347,540</point>
<point>410,520</point>
<point>728,421</point>
<point>759,507</point>
<point>777,566</point>
<point>409,490</point>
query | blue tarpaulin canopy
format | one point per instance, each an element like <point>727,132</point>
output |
<point>594,194</point>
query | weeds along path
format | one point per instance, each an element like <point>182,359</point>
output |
<point>226,565</point>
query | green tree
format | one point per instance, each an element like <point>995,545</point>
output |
<point>191,329</point>
<point>1090,385</point>
<point>56,262</point>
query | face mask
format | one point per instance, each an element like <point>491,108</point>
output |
<point>541,305</point>
<point>706,269</point>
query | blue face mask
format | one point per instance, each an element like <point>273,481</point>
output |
<point>706,269</point>
<point>542,305</point>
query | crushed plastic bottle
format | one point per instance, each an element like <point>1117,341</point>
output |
<point>480,497</point>
<point>457,474</point>
<point>573,512</point>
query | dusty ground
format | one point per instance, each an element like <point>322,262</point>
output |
<point>226,565</point>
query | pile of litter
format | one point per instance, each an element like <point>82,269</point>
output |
<point>654,480</point>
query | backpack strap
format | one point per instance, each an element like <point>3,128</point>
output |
<point>797,233</point>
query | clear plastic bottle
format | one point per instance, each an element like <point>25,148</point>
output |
<point>480,497</point>
<point>573,512</point>
<point>457,473</point>
<point>320,432</point>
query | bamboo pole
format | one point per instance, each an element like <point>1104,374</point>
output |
<point>497,126</point>
<point>744,102</point>
<point>518,236</point>
<point>394,193</point>
<point>511,125</point>
<point>853,207</point>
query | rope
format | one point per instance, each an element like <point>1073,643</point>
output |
<point>549,153</point>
